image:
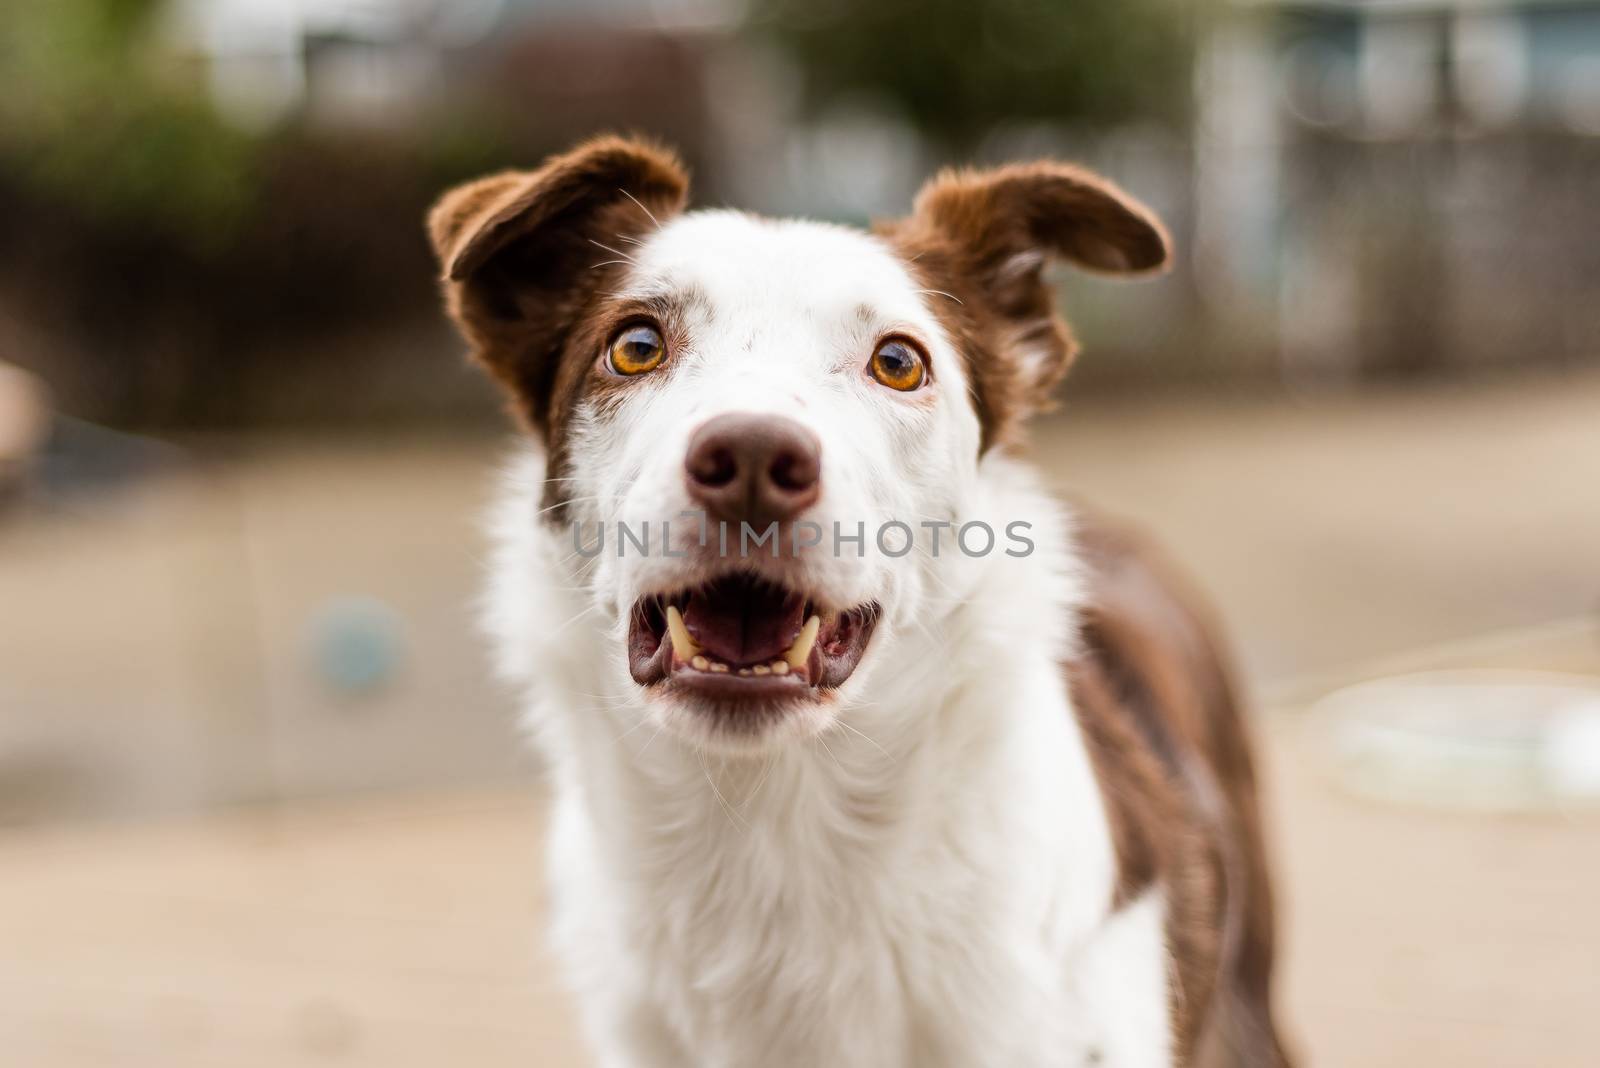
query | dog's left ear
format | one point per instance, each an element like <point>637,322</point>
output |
<point>986,237</point>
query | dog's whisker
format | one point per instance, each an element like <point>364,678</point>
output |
<point>733,817</point>
<point>820,741</point>
<point>660,726</point>
<point>574,500</point>
<point>839,722</point>
<point>642,721</point>
<point>580,615</point>
<point>576,478</point>
<point>574,589</point>
<point>648,213</point>
<point>607,698</point>
<point>625,258</point>
<point>766,772</point>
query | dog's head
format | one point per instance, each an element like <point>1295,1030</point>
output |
<point>754,428</point>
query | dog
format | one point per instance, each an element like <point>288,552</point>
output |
<point>838,777</point>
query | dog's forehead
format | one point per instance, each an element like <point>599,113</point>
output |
<point>737,262</point>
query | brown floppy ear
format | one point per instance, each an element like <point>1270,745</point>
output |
<point>986,236</point>
<point>524,252</point>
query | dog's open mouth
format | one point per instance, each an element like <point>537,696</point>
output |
<point>742,637</point>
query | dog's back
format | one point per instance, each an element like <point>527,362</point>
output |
<point>1153,692</point>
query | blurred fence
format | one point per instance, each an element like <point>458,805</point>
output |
<point>1440,256</point>
<point>212,208</point>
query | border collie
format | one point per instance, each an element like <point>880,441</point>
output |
<point>864,750</point>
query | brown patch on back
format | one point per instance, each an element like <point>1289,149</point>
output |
<point>985,237</point>
<point>1172,752</point>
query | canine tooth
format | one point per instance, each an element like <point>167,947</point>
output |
<point>801,649</point>
<point>762,669</point>
<point>700,663</point>
<point>744,671</point>
<point>780,667</point>
<point>682,644</point>
<point>719,668</point>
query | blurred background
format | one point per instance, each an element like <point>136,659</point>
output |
<point>260,801</point>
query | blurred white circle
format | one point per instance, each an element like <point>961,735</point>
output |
<point>1572,748</point>
<point>1489,741</point>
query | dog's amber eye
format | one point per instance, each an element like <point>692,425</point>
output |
<point>636,350</point>
<point>898,365</point>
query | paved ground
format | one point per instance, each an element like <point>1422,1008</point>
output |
<point>404,933</point>
<point>156,660</point>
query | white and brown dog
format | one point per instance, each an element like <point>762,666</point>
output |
<point>929,773</point>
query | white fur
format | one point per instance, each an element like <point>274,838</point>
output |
<point>920,872</point>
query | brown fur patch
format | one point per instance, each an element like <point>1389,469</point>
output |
<point>984,237</point>
<point>528,258</point>
<point>1171,749</point>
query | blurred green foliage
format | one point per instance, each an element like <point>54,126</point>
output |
<point>956,68</point>
<point>157,252</point>
<point>99,119</point>
<point>89,122</point>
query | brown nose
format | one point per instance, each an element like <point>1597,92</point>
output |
<point>753,468</point>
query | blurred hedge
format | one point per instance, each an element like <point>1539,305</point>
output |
<point>152,250</point>
<point>957,68</point>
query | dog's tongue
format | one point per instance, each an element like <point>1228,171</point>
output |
<point>740,621</point>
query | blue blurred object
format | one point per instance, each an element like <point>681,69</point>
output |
<point>357,644</point>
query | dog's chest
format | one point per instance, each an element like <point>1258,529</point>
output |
<point>750,956</point>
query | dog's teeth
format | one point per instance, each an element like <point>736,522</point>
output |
<point>801,649</point>
<point>762,669</point>
<point>744,671</point>
<point>718,668</point>
<point>700,663</point>
<point>780,667</point>
<point>682,644</point>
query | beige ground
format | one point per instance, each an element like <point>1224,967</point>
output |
<point>154,663</point>
<point>402,933</point>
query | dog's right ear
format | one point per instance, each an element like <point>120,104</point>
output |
<point>524,252</point>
